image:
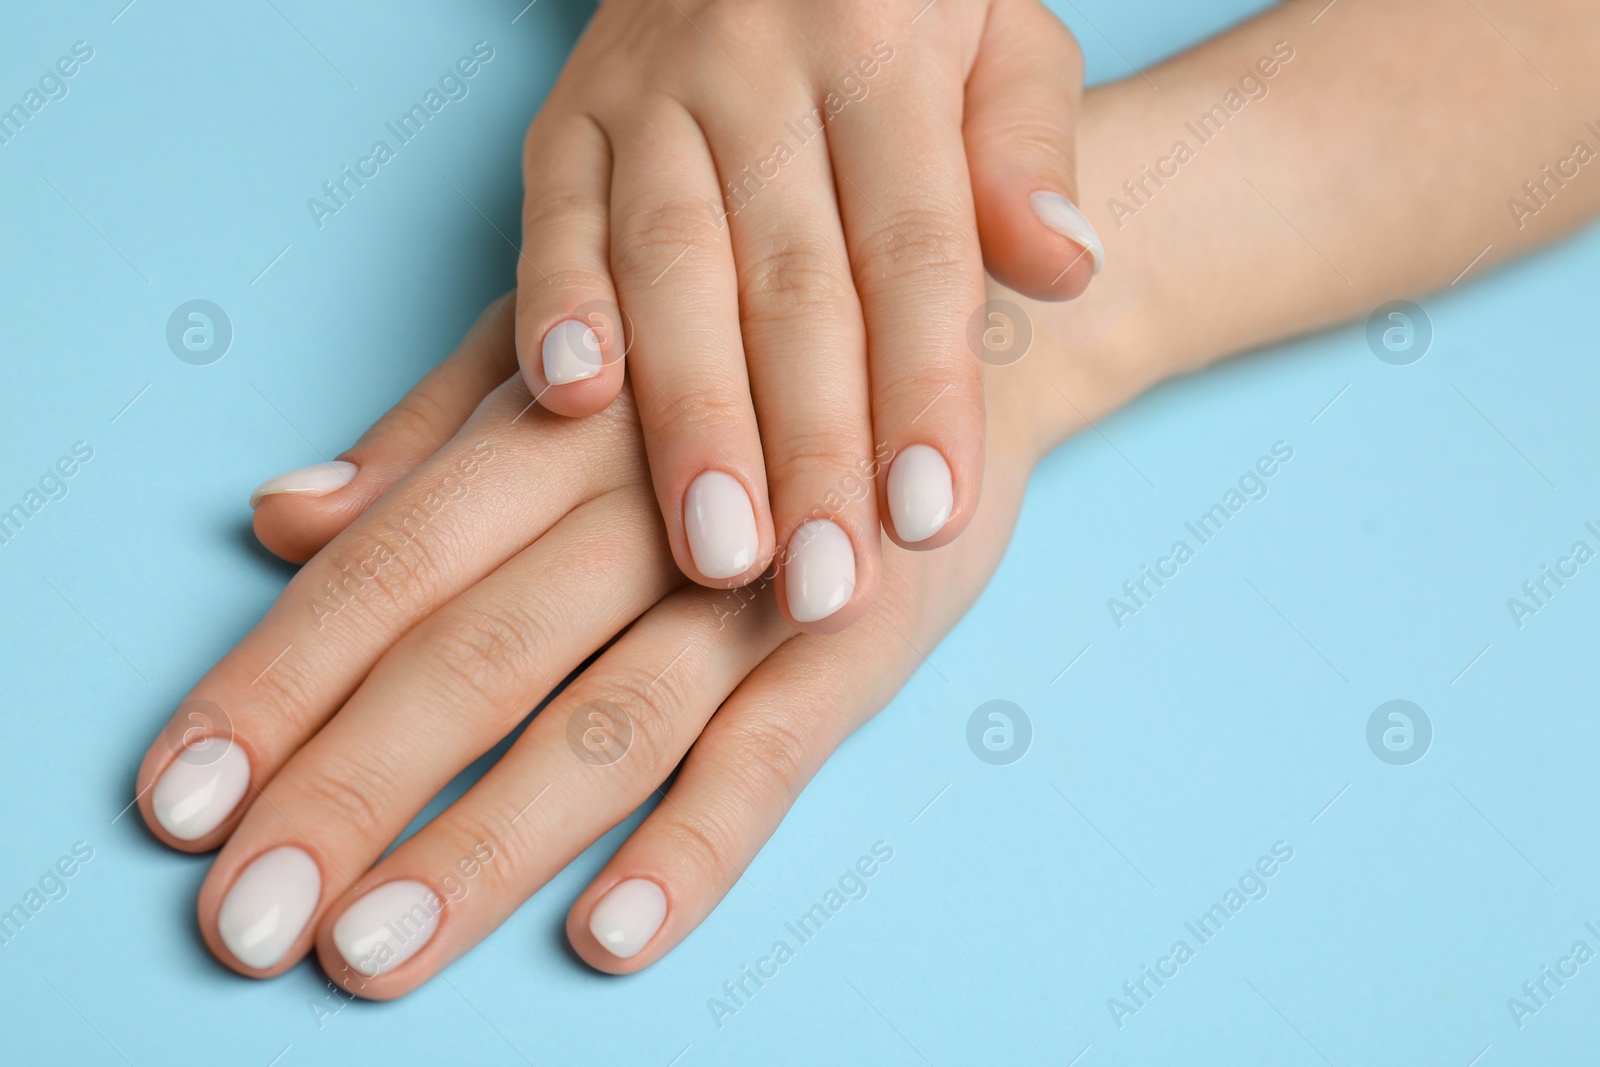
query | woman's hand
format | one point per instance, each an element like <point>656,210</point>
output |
<point>428,624</point>
<point>468,568</point>
<point>783,196</point>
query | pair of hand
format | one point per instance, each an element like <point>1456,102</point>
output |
<point>447,597</point>
<point>512,541</point>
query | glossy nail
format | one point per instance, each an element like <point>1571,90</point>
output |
<point>571,353</point>
<point>269,905</point>
<point>820,571</point>
<point>920,493</point>
<point>1063,216</point>
<point>628,916</point>
<point>200,788</point>
<point>721,525</point>
<point>388,926</point>
<point>319,479</point>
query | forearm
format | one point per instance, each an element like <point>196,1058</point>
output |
<point>1377,162</point>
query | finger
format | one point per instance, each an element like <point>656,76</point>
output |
<point>447,692</point>
<point>740,779</point>
<point>675,275</point>
<point>570,335</point>
<point>806,348</point>
<point>456,518</point>
<point>1021,135</point>
<point>548,798</point>
<point>907,205</point>
<point>296,514</point>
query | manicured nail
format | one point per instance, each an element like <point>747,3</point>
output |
<point>820,572</point>
<point>388,926</point>
<point>721,524</point>
<point>269,906</point>
<point>319,479</point>
<point>1063,216</point>
<point>920,493</point>
<point>571,353</point>
<point>628,916</point>
<point>201,788</point>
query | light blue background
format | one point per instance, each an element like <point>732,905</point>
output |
<point>1169,757</point>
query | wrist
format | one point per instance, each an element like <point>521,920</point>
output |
<point>1085,359</point>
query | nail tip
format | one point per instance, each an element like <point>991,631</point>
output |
<point>319,479</point>
<point>1067,219</point>
<point>193,797</point>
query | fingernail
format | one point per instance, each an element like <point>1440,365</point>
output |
<point>920,493</point>
<point>628,916</point>
<point>571,353</point>
<point>721,524</point>
<point>388,926</point>
<point>269,906</point>
<point>201,788</point>
<point>1063,216</point>
<point>319,479</point>
<point>820,572</point>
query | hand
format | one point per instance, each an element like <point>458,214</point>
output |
<point>784,196</point>
<point>430,652</point>
<point>430,623</point>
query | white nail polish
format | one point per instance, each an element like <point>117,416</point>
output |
<point>319,479</point>
<point>388,926</point>
<point>721,525</point>
<point>571,353</point>
<point>269,905</point>
<point>920,493</point>
<point>628,916</point>
<point>820,571</point>
<point>201,788</point>
<point>1063,216</point>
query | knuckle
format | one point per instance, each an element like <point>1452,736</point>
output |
<point>484,654</point>
<point>547,212</point>
<point>765,757</point>
<point>651,239</point>
<point>940,390</point>
<point>713,403</point>
<point>584,281</point>
<point>364,570</point>
<point>654,702</point>
<point>348,791</point>
<point>418,418</point>
<point>920,241</point>
<point>790,280</point>
<point>835,450</point>
<point>505,850</point>
<point>704,840</point>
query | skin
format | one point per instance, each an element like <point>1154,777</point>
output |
<point>789,330</point>
<point>508,589</point>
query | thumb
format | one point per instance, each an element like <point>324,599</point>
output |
<point>1021,136</point>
